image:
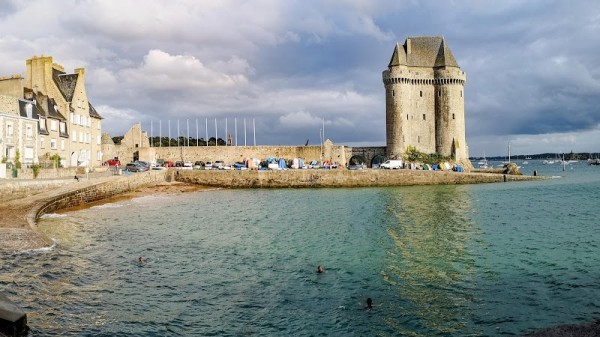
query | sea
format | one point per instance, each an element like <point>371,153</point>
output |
<point>499,259</point>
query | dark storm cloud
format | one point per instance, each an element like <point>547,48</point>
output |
<point>292,65</point>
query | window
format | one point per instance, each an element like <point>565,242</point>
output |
<point>9,129</point>
<point>72,118</point>
<point>439,93</point>
<point>53,144</point>
<point>421,93</point>
<point>53,125</point>
<point>29,154</point>
<point>29,110</point>
<point>74,137</point>
<point>461,93</point>
<point>42,145</point>
<point>81,137</point>
<point>452,116</point>
<point>99,139</point>
<point>99,155</point>
<point>42,122</point>
<point>393,93</point>
<point>406,116</point>
<point>419,139</point>
<point>62,144</point>
<point>423,116</point>
<point>98,125</point>
<point>78,119</point>
<point>29,131</point>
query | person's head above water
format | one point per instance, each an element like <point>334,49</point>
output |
<point>141,260</point>
<point>369,303</point>
<point>320,269</point>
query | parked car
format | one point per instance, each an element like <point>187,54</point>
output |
<point>391,164</point>
<point>187,164</point>
<point>146,165</point>
<point>208,165</point>
<point>178,163</point>
<point>357,167</point>
<point>168,163</point>
<point>113,162</point>
<point>135,167</point>
<point>218,164</point>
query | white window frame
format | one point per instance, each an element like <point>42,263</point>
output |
<point>74,136</point>
<point>53,125</point>
<point>42,143</point>
<point>62,144</point>
<point>9,129</point>
<point>53,144</point>
<point>29,131</point>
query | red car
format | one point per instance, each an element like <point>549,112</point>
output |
<point>113,162</point>
<point>168,163</point>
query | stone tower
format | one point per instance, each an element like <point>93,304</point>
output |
<point>424,90</point>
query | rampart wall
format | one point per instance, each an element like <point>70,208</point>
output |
<point>337,178</point>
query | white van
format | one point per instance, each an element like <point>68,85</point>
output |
<point>391,164</point>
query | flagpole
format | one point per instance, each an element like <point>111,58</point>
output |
<point>244,131</point>
<point>254,127</point>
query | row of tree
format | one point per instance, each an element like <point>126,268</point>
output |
<point>182,141</point>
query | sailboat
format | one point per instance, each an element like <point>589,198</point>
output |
<point>483,163</point>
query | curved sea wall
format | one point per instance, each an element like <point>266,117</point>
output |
<point>337,178</point>
<point>95,192</point>
<point>17,224</point>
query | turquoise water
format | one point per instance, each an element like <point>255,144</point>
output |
<point>470,260</point>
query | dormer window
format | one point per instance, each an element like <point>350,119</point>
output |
<point>29,110</point>
<point>42,123</point>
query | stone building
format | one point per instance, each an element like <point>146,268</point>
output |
<point>424,88</point>
<point>18,123</point>
<point>66,124</point>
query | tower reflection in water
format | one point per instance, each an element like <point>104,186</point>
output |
<point>429,260</point>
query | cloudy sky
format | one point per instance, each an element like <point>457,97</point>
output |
<point>532,66</point>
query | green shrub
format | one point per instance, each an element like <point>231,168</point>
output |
<point>36,170</point>
<point>18,160</point>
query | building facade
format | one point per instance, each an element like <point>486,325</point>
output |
<point>424,88</point>
<point>56,104</point>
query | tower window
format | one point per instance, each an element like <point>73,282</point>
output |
<point>452,116</point>
<point>423,116</point>
<point>421,93</point>
<point>419,139</point>
<point>439,93</point>
<point>406,116</point>
<point>461,93</point>
<point>393,93</point>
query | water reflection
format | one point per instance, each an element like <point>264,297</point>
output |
<point>429,261</point>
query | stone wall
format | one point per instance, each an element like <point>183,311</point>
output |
<point>112,187</point>
<point>337,178</point>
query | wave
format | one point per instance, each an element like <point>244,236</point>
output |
<point>109,205</point>
<point>53,216</point>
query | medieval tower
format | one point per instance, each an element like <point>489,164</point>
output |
<point>425,107</point>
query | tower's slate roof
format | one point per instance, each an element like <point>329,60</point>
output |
<point>423,51</point>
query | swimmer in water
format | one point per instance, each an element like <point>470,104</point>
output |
<point>320,269</point>
<point>141,260</point>
<point>369,304</point>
